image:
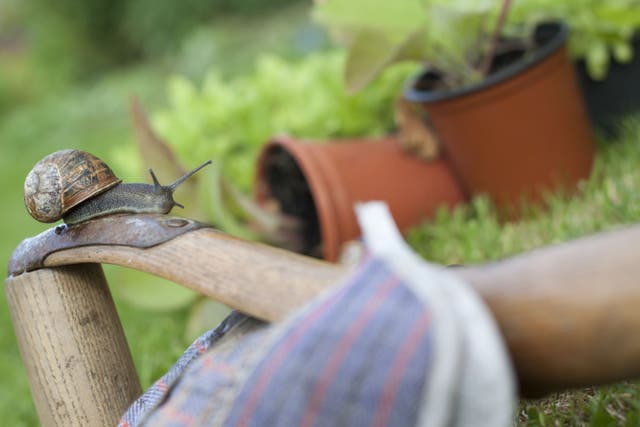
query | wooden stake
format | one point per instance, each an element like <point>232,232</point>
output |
<point>76,356</point>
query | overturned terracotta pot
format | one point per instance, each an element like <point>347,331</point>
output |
<point>320,183</point>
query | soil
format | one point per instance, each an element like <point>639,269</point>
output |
<point>509,51</point>
<point>290,189</point>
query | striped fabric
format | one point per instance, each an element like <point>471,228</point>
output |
<point>332,365</point>
<point>385,348</point>
<point>157,392</point>
<point>357,356</point>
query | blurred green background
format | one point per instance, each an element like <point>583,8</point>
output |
<point>218,77</point>
<point>67,70</point>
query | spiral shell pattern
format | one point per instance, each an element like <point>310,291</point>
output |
<point>62,180</point>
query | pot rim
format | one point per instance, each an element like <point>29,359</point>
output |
<point>315,176</point>
<point>412,94</point>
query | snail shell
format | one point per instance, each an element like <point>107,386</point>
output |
<point>64,179</point>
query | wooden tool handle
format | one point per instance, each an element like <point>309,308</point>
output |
<point>570,314</point>
<point>74,349</point>
<point>263,281</point>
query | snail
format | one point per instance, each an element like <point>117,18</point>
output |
<point>76,186</point>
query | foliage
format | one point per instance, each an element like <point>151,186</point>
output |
<point>6,93</point>
<point>455,37</point>
<point>600,29</point>
<point>229,120</point>
<point>450,36</point>
<point>75,39</point>
<point>227,46</point>
<point>156,27</point>
<point>249,8</point>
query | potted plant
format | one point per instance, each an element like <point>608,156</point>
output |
<point>604,43</point>
<point>502,98</point>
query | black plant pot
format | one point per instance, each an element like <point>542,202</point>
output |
<point>619,94</point>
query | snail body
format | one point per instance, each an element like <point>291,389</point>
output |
<point>123,198</point>
<point>76,186</point>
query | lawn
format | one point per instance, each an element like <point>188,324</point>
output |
<point>95,117</point>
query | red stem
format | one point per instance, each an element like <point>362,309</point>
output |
<point>488,60</point>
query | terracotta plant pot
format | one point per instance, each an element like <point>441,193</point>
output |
<point>522,132</point>
<point>321,182</point>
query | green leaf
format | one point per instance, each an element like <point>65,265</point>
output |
<point>601,418</point>
<point>372,51</point>
<point>618,15</point>
<point>633,420</point>
<point>593,23</point>
<point>597,61</point>
<point>160,156</point>
<point>397,17</point>
<point>623,52</point>
<point>220,213</point>
<point>446,36</point>
<point>457,38</point>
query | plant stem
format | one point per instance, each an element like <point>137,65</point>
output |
<point>495,38</point>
